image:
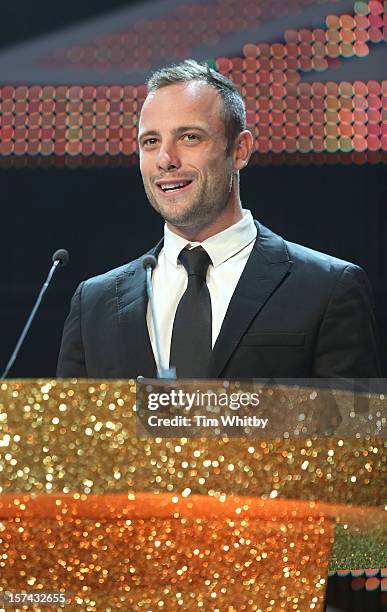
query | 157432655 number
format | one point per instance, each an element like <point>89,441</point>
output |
<point>42,598</point>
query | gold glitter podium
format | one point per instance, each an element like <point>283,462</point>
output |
<point>118,521</point>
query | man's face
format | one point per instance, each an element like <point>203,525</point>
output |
<point>186,173</point>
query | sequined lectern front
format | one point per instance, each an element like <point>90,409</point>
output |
<point>118,521</point>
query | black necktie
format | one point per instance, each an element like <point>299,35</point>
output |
<point>191,342</point>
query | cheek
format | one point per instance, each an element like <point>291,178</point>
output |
<point>217,169</point>
<point>144,168</point>
<point>208,166</point>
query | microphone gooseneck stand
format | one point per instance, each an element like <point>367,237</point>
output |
<point>59,259</point>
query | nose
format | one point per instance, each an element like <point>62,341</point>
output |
<point>168,158</point>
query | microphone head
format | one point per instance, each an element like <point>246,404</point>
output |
<point>149,261</point>
<point>62,256</point>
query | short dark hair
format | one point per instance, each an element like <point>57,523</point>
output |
<point>234,113</point>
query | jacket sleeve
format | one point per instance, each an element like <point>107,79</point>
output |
<point>346,343</point>
<point>71,361</point>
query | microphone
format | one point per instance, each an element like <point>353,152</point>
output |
<point>149,263</point>
<point>62,257</point>
<point>59,259</point>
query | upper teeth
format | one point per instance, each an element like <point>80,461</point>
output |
<point>173,185</point>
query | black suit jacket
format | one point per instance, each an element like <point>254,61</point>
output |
<point>295,313</point>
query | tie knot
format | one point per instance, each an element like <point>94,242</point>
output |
<point>195,261</point>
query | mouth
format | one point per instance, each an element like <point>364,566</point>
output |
<point>173,187</point>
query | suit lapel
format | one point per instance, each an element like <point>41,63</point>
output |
<point>267,265</point>
<point>132,303</point>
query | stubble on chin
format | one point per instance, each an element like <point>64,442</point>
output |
<point>196,214</point>
<point>174,211</point>
<point>194,217</point>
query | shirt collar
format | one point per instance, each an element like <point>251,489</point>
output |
<point>220,247</point>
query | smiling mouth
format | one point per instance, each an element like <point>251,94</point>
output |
<point>173,187</point>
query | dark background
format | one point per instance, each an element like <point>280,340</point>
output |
<point>101,215</point>
<point>22,20</point>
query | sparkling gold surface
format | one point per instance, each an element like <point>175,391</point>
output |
<point>172,560</point>
<point>154,524</point>
<point>81,437</point>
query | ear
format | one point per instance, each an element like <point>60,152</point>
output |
<point>242,150</point>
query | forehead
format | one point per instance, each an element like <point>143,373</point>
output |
<point>175,103</point>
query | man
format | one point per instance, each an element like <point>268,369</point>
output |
<point>233,299</point>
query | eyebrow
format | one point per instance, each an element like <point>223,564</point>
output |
<point>175,131</point>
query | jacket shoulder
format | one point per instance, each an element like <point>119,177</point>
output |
<point>106,277</point>
<point>304,259</point>
<point>107,281</point>
<point>128,269</point>
<point>307,256</point>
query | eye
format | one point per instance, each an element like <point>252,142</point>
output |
<point>149,142</point>
<point>190,137</point>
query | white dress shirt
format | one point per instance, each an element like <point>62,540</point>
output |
<point>229,251</point>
